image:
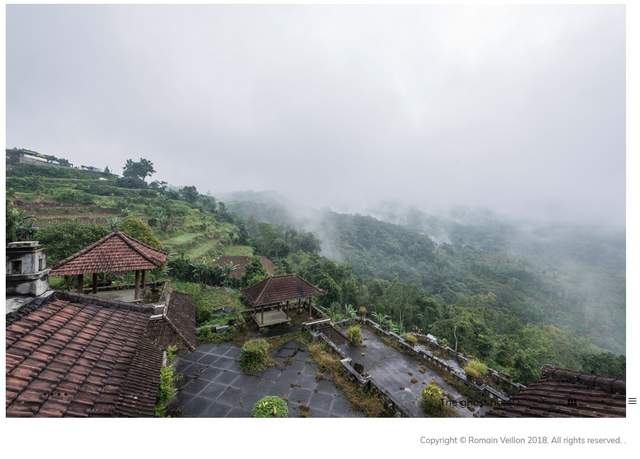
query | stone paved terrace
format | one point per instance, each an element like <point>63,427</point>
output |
<point>213,385</point>
<point>394,370</point>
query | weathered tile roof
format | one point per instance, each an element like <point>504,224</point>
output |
<point>276,289</point>
<point>567,393</point>
<point>116,252</point>
<point>240,263</point>
<point>77,355</point>
<point>175,323</point>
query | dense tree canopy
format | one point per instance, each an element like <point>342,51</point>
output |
<point>138,229</point>
<point>64,239</point>
<point>140,169</point>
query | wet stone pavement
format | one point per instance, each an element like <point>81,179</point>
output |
<point>400,374</point>
<point>213,385</point>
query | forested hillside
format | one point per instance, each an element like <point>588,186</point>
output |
<point>464,286</point>
<point>515,294</point>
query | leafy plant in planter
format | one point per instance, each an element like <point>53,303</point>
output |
<point>433,399</point>
<point>475,369</point>
<point>254,355</point>
<point>350,311</point>
<point>270,407</point>
<point>354,335</point>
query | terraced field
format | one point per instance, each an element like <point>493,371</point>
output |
<point>238,250</point>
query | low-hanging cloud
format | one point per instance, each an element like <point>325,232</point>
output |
<point>520,109</point>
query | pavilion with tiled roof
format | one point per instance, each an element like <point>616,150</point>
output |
<point>271,294</point>
<point>567,393</point>
<point>69,354</point>
<point>114,253</point>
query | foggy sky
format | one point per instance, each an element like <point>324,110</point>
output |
<point>517,109</point>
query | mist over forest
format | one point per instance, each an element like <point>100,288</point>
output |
<point>568,274</point>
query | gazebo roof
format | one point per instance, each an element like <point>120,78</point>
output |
<point>276,289</point>
<point>116,252</point>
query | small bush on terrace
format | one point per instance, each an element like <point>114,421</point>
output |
<point>433,399</point>
<point>167,388</point>
<point>254,355</point>
<point>410,338</point>
<point>270,407</point>
<point>475,369</point>
<point>354,336</point>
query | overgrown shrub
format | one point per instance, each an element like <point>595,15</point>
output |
<point>254,355</point>
<point>354,335</point>
<point>195,271</point>
<point>433,399</point>
<point>270,407</point>
<point>208,335</point>
<point>410,338</point>
<point>475,369</point>
<point>167,388</point>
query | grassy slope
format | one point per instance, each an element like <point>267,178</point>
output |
<point>98,199</point>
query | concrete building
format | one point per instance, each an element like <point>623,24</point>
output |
<point>27,272</point>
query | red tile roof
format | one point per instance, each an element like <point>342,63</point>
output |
<point>240,263</point>
<point>116,252</point>
<point>567,393</point>
<point>178,321</point>
<point>277,289</point>
<point>77,355</point>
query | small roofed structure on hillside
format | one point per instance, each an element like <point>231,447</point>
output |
<point>114,253</point>
<point>78,355</point>
<point>273,294</point>
<point>567,393</point>
<point>239,264</point>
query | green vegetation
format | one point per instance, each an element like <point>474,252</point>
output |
<point>410,338</point>
<point>19,224</point>
<point>167,388</point>
<point>255,272</point>
<point>239,250</point>
<point>138,229</point>
<point>270,407</point>
<point>433,400</point>
<point>196,271</point>
<point>209,302</point>
<point>475,369</point>
<point>138,169</point>
<point>254,355</point>
<point>64,239</point>
<point>354,335</point>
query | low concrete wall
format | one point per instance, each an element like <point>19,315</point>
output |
<point>392,405</point>
<point>483,390</point>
